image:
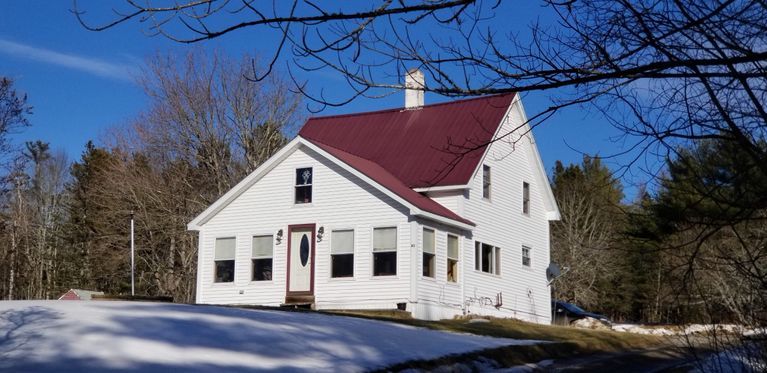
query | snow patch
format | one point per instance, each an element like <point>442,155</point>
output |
<point>744,359</point>
<point>154,337</point>
<point>688,330</point>
<point>589,323</point>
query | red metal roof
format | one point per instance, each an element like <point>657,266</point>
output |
<point>418,147</point>
<point>391,182</point>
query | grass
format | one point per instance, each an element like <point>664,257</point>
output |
<point>584,339</point>
<point>565,341</point>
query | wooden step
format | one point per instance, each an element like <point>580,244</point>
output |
<point>299,300</point>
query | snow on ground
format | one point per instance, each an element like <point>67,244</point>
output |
<point>80,336</point>
<point>747,358</point>
<point>686,330</point>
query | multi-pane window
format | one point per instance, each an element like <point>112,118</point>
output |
<point>525,198</point>
<point>525,256</point>
<point>452,258</point>
<point>223,257</point>
<point>429,251</point>
<point>304,185</point>
<point>342,253</point>
<point>487,258</point>
<point>384,251</point>
<point>485,181</point>
<point>261,258</point>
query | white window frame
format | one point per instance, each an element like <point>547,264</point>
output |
<point>529,256</point>
<point>296,186</point>
<point>234,259</point>
<point>487,179</point>
<point>457,258</point>
<point>496,259</point>
<point>526,198</point>
<point>374,252</point>
<point>353,253</point>
<point>433,253</point>
<point>252,257</point>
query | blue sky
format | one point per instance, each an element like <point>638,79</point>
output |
<point>81,82</point>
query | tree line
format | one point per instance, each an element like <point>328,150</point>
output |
<point>692,250</point>
<point>66,224</point>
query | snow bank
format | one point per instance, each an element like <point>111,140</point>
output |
<point>589,323</point>
<point>687,330</point>
<point>153,337</point>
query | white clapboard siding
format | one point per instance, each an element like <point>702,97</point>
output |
<point>500,222</point>
<point>437,291</point>
<point>339,200</point>
<point>452,199</point>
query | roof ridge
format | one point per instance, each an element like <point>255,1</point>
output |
<point>404,109</point>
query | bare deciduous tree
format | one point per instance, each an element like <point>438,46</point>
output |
<point>584,239</point>
<point>207,127</point>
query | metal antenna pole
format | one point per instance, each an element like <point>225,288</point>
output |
<point>132,260</point>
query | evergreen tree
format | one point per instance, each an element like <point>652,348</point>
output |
<point>709,223</point>
<point>87,224</point>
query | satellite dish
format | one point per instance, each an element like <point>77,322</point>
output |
<point>553,271</point>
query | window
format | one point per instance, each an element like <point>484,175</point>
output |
<point>304,185</point>
<point>384,251</point>
<point>224,259</point>
<point>342,253</point>
<point>262,253</point>
<point>487,258</point>
<point>485,181</point>
<point>452,258</point>
<point>525,198</point>
<point>525,256</point>
<point>429,250</point>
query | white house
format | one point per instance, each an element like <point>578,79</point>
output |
<point>402,208</point>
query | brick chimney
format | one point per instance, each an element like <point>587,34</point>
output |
<point>414,84</point>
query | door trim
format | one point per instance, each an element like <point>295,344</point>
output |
<point>291,228</point>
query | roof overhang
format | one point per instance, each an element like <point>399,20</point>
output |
<point>442,188</point>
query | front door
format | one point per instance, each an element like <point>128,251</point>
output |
<point>301,260</point>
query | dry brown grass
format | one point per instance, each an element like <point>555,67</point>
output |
<point>566,341</point>
<point>584,339</point>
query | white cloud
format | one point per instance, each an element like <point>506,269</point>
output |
<point>88,65</point>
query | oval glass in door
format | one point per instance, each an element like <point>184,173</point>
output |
<point>304,250</point>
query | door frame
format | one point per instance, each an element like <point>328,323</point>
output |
<point>291,228</point>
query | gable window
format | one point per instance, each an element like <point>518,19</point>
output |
<point>384,251</point>
<point>487,258</point>
<point>342,253</point>
<point>525,256</point>
<point>525,198</point>
<point>429,251</point>
<point>223,257</point>
<point>262,254</point>
<point>452,258</point>
<point>486,181</point>
<point>304,185</point>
